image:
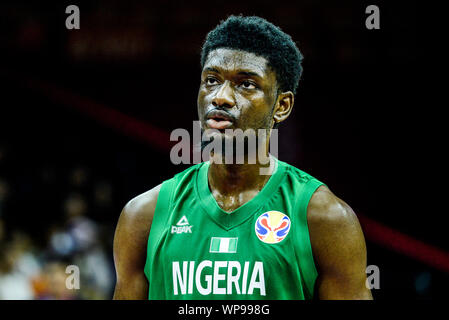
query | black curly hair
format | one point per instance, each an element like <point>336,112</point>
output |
<point>257,35</point>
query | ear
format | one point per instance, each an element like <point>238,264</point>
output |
<point>283,106</point>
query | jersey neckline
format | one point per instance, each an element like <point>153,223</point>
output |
<point>229,220</point>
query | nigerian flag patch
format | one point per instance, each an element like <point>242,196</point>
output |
<point>223,245</point>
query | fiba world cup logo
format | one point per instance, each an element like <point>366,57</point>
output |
<point>272,226</point>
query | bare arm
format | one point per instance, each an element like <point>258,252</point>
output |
<point>338,247</point>
<point>130,246</point>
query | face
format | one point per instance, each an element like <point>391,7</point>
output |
<point>238,90</point>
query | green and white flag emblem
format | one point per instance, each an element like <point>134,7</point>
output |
<point>223,245</point>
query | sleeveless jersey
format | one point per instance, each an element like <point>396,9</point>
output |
<point>259,251</point>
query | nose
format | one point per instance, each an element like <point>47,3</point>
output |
<point>224,96</point>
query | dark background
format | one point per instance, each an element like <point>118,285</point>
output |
<point>354,125</point>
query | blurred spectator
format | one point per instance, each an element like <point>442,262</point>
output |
<point>18,265</point>
<point>34,270</point>
<point>51,283</point>
<point>79,177</point>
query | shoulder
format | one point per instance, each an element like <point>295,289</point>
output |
<point>325,207</point>
<point>130,244</point>
<point>137,215</point>
<point>140,209</point>
<point>298,176</point>
<point>338,248</point>
<point>334,228</point>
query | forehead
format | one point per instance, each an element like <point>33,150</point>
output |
<point>230,60</point>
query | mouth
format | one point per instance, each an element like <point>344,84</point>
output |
<point>218,119</point>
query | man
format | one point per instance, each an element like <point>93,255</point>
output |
<point>224,230</point>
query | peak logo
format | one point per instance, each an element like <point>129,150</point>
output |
<point>182,226</point>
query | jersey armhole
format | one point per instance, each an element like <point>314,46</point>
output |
<point>306,260</point>
<point>161,214</point>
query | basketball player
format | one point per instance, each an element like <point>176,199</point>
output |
<point>225,231</point>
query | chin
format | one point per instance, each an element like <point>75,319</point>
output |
<point>210,135</point>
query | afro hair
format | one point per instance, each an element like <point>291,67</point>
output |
<point>257,35</point>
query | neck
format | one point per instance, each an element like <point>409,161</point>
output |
<point>237,178</point>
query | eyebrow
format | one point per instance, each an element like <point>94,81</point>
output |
<point>243,73</point>
<point>250,74</point>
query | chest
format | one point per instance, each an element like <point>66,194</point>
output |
<point>231,202</point>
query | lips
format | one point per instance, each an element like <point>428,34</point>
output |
<point>218,119</point>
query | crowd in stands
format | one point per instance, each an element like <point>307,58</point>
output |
<point>36,255</point>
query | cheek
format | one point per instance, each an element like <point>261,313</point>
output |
<point>256,115</point>
<point>205,97</point>
<point>201,100</point>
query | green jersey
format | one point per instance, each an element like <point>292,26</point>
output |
<point>259,251</point>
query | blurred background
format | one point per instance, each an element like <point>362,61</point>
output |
<point>85,118</point>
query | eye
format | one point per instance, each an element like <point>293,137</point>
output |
<point>248,85</point>
<point>211,81</point>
